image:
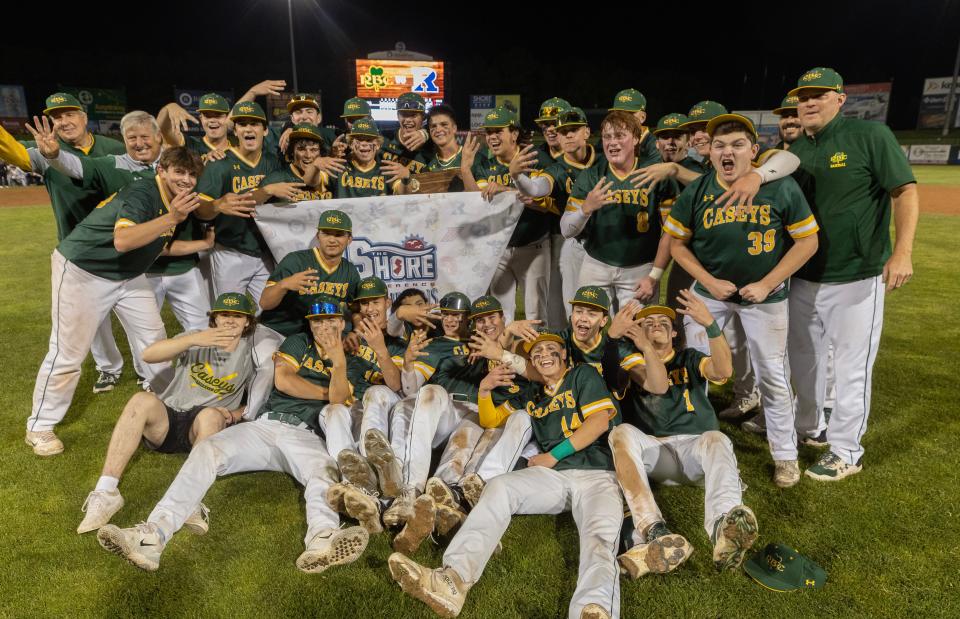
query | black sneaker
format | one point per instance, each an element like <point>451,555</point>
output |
<point>105,382</point>
<point>657,529</point>
<point>819,441</point>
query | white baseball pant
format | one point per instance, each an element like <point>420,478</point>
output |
<point>690,459</point>
<point>528,267</point>
<point>571,259</point>
<point>106,355</point>
<point>434,417</point>
<point>379,402</point>
<point>266,341</point>
<point>848,316</point>
<point>188,297</point>
<point>556,312</point>
<point>340,424</point>
<point>234,271</point>
<point>594,499</point>
<point>765,328</point>
<point>744,380</point>
<point>80,301</point>
<point>261,445</point>
<point>619,282</point>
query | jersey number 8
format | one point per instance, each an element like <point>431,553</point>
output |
<point>643,221</point>
<point>762,243</point>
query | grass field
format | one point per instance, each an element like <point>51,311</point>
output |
<point>889,538</point>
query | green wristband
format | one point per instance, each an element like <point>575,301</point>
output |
<point>563,450</point>
<point>713,330</point>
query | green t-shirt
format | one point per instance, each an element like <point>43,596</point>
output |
<point>236,174</point>
<point>436,351</point>
<point>436,164</point>
<point>557,413</point>
<point>338,284</point>
<point>90,245</point>
<point>684,408</point>
<point>366,366</point>
<point>358,182</point>
<point>289,174</point>
<point>627,233</point>
<point>302,353</point>
<point>393,150</point>
<point>534,222</point>
<point>741,244</point>
<point>462,379</point>
<point>847,172</point>
<point>71,201</point>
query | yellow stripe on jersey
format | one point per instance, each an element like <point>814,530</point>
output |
<point>287,358</point>
<point>205,197</point>
<point>424,369</point>
<point>269,283</point>
<point>703,364</point>
<point>803,228</point>
<point>676,229</point>
<point>397,361</point>
<point>573,204</point>
<point>123,223</point>
<point>632,361</point>
<point>13,152</point>
<point>596,407</point>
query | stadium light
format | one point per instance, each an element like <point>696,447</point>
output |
<point>293,51</point>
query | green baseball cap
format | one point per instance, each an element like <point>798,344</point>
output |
<point>821,78</point>
<point>781,568</point>
<point>355,107</point>
<point>701,113</point>
<point>550,108</point>
<point>719,119</point>
<point>335,220</point>
<point>593,296</point>
<point>544,335</point>
<point>212,102</point>
<point>650,310</point>
<point>571,117</point>
<point>789,102</point>
<point>248,109</point>
<point>324,309</point>
<point>629,100</point>
<point>500,117</point>
<point>411,102</point>
<point>366,127</point>
<point>370,288</point>
<point>455,302</point>
<point>299,101</point>
<point>306,131</point>
<point>670,122</point>
<point>486,304</point>
<point>61,101</point>
<point>234,302</point>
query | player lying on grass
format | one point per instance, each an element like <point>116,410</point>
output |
<point>572,413</point>
<point>311,372</point>
<point>673,438</point>
<point>741,258</point>
<point>213,368</point>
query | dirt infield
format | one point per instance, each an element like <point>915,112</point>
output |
<point>942,199</point>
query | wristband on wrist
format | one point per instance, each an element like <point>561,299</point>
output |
<point>656,273</point>
<point>563,450</point>
<point>513,361</point>
<point>713,330</point>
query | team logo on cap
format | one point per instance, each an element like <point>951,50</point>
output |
<point>838,160</point>
<point>367,285</point>
<point>492,116</point>
<point>671,121</point>
<point>57,99</point>
<point>333,219</point>
<point>245,109</point>
<point>810,583</point>
<point>793,99</point>
<point>697,111</point>
<point>590,294</point>
<point>209,101</point>
<point>549,111</point>
<point>482,303</point>
<point>810,76</point>
<point>231,301</point>
<point>625,98</point>
<point>353,105</point>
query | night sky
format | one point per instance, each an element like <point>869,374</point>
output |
<point>742,54</point>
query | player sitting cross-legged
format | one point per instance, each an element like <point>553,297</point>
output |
<point>204,397</point>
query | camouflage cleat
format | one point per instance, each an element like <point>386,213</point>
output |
<point>333,547</point>
<point>733,535</point>
<point>831,467</point>
<point>418,527</point>
<point>441,589</point>
<point>105,382</point>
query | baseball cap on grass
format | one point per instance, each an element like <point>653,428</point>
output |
<point>370,288</point>
<point>455,302</point>
<point>781,568</point>
<point>572,117</point>
<point>629,100</point>
<point>702,112</point>
<point>299,101</point>
<point>670,122</point>
<point>410,102</point>
<point>323,310</point>
<point>486,304</point>
<point>500,117</point>
<point>248,109</point>
<point>234,302</point>
<point>789,103</point>
<point>550,108</point>
<point>821,78</point>
<point>335,220</point>
<point>61,101</point>
<point>719,119</point>
<point>592,296</point>
<point>306,131</point>
<point>365,127</point>
<point>544,335</point>
<point>355,107</point>
<point>650,310</point>
<point>213,102</point>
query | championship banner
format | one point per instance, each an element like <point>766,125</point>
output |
<point>437,242</point>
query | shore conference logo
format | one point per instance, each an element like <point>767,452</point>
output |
<point>412,264</point>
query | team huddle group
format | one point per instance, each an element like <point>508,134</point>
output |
<point>780,262</point>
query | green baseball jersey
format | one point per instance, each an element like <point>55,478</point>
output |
<point>693,165</point>
<point>624,234</point>
<point>436,351</point>
<point>438,164</point>
<point>561,174</point>
<point>200,145</point>
<point>367,366</point>
<point>534,223</point>
<point>684,408</point>
<point>358,181</point>
<point>462,379</point>
<point>190,229</point>
<point>394,150</point>
<point>558,412</point>
<point>548,153</point>
<point>71,201</point>
<point>237,174</point>
<point>648,149</point>
<point>847,172</point>
<point>301,352</point>
<point>109,174</point>
<point>591,354</point>
<point>741,244</point>
<point>337,284</point>
<point>290,174</point>
<point>90,245</point>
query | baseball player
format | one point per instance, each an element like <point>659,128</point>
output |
<point>213,110</point>
<point>442,126</point>
<point>241,260</point>
<point>354,108</point>
<point>303,109</point>
<point>213,369</point>
<point>672,142</point>
<point>741,260</point>
<point>311,371</point>
<point>854,174</point>
<point>790,127</point>
<point>99,267</point>
<point>620,224</point>
<point>633,102</point>
<point>363,175</point>
<point>674,438</point>
<point>410,147</point>
<point>305,147</point>
<point>571,414</point>
<point>526,260</point>
<point>547,123</point>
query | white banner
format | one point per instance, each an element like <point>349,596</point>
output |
<point>437,242</point>
<point>929,153</point>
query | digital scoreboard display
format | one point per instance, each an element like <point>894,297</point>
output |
<point>380,82</point>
